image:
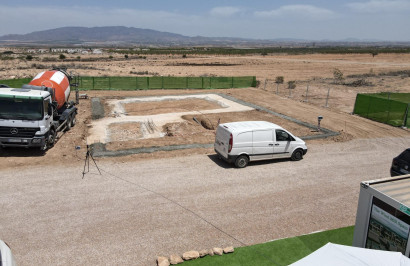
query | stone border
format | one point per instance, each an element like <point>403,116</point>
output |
<point>192,255</point>
<point>99,149</point>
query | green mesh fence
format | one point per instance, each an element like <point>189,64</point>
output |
<point>388,108</point>
<point>158,82</point>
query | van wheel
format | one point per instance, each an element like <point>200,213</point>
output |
<point>297,155</point>
<point>242,161</point>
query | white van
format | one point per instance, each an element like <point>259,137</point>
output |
<point>242,142</point>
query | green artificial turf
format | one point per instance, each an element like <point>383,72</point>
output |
<point>278,252</point>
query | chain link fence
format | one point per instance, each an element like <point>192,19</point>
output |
<point>302,91</point>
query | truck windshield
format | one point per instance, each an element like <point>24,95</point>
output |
<point>21,109</point>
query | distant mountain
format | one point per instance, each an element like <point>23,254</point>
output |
<point>124,36</point>
<point>114,35</point>
<point>81,35</point>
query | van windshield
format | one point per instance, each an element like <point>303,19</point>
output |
<point>21,109</point>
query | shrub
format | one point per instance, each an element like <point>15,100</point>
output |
<point>279,80</point>
<point>338,75</point>
<point>291,84</point>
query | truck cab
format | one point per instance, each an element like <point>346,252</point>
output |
<point>25,117</point>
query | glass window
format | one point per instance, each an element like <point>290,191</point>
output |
<point>281,135</point>
<point>45,105</point>
<point>21,109</point>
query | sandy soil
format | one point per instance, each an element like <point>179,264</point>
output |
<point>162,107</point>
<point>315,70</point>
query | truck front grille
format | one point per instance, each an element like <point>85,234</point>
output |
<point>18,132</point>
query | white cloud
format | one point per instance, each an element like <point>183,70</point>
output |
<point>375,6</point>
<point>304,11</point>
<point>224,11</point>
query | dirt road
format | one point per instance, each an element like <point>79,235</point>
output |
<point>136,211</point>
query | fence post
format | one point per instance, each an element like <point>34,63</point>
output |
<point>93,84</point>
<point>148,78</point>
<point>162,85</point>
<point>232,83</point>
<point>186,81</point>
<point>109,83</point>
<point>327,98</point>
<point>210,82</point>
<point>307,90</point>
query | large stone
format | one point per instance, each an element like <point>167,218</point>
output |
<point>203,253</point>
<point>175,259</point>
<point>211,252</point>
<point>218,251</point>
<point>228,250</point>
<point>190,255</point>
<point>162,261</point>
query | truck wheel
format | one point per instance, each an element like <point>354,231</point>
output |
<point>242,161</point>
<point>68,125</point>
<point>297,155</point>
<point>51,139</point>
<point>73,120</point>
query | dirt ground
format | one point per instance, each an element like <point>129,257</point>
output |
<point>379,73</point>
<point>53,215</point>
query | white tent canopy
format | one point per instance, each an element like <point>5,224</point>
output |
<point>339,255</point>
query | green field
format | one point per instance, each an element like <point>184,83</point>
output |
<point>279,252</point>
<point>15,83</point>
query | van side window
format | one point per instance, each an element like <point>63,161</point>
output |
<point>282,136</point>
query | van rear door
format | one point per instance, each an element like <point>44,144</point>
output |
<point>221,144</point>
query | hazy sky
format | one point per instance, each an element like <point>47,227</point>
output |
<point>259,19</point>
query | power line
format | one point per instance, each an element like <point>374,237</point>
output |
<point>188,210</point>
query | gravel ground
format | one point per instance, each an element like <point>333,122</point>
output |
<point>134,212</point>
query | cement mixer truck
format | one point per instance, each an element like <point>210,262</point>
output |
<point>31,116</point>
